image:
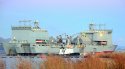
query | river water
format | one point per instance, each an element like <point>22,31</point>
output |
<point>12,61</point>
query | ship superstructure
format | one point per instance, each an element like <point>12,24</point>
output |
<point>34,40</point>
<point>97,40</point>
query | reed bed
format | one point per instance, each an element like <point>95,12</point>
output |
<point>2,64</point>
<point>24,64</point>
<point>98,61</point>
<point>101,61</point>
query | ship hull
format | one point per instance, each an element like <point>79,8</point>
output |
<point>57,49</point>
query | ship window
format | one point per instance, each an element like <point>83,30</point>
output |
<point>109,32</point>
<point>101,42</point>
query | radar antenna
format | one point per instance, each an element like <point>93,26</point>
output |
<point>24,21</point>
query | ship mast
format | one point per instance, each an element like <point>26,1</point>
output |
<point>91,26</point>
<point>36,24</point>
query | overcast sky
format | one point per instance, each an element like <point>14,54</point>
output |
<point>65,16</point>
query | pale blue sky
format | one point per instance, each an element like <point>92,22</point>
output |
<point>65,16</point>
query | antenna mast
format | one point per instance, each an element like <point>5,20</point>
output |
<point>36,24</point>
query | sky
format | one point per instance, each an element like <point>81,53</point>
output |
<point>65,16</point>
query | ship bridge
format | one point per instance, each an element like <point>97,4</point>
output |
<point>96,36</point>
<point>29,33</point>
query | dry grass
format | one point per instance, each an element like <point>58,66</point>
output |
<point>24,64</point>
<point>56,62</point>
<point>2,64</point>
<point>102,61</point>
<point>119,60</point>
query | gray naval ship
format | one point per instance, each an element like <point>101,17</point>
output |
<point>33,40</point>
